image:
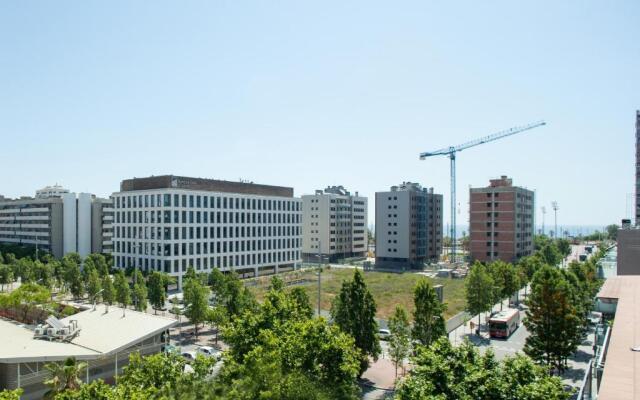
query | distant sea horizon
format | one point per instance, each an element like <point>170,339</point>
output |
<point>573,230</point>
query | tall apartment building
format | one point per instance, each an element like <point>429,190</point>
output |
<point>56,220</point>
<point>168,223</point>
<point>501,220</point>
<point>408,226</point>
<point>334,225</point>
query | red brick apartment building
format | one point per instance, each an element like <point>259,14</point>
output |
<point>501,221</point>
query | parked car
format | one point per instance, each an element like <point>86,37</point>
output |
<point>384,334</point>
<point>168,348</point>
<point>179,307</point>
<point>208,351</point>
<point>179,297</point>
<point>189,355</point>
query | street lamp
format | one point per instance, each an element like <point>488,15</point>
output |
<point>555,207</point>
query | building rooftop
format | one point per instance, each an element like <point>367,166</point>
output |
<point>621,376</point>
<point>410,187</point>
<point>101,334</point>
<point>210,185</point>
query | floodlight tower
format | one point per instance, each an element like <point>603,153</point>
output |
<point>451,153</point>
<point>554,205</point>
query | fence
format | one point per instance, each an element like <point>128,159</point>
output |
<point>586,388</point>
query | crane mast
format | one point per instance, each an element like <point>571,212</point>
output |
<point>451,153</point>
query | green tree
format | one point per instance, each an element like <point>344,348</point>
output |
<point>11,394</point>
<point>58,272</point>
<point>400,339</point>
<point>527,267</point>
<point>72,275</point>
<point>94,286</point>
<point>428,323</point>
<point>43,274</point>
<point>564,247</point>
<point>216,281</point>
<point>505,279</point>
<point>196,300</point>
<point>86,270</point>
<point>6,276</point>
<point>479,288</point>
<point>27,297</point>
<point>108,292</point>
<point>191,274</point>
<point>24,269</point>
<point>294,359</point>
<point>123,292</point>
<point>443,371</point>
<point>96,390</point>
<point>157,293</point>
<point>234,296</point>
<point>300,302</point>
<point>612,231</point>
<point>64,376</point>
<point>100,262</point>
<point>550,254</point>
<point>140,293</point>
<point>216,317</point>
<point>551,319</point>
<point>354,310</point>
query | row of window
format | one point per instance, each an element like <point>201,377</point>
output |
<point>197,232</point>
<point>191,248</point>
<point>205,217</point>
<point>201,201</point>
<point>207,263</point>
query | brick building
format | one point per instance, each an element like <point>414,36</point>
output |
<point>501,220</point>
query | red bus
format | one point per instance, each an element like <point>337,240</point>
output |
<point>504,323</point>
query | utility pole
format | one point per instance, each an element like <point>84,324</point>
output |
<point>544,211</point>
<point>554,205</point>
<point>319,274</point>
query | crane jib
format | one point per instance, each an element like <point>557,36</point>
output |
<point>451,152</point>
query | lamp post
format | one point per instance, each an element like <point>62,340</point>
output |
<point>319,274</point>
<point>555,207</point>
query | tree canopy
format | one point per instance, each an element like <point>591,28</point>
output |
<point>354,310</point>
<point>444,371</point>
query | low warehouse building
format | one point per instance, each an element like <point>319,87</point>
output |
<point>104,341</point>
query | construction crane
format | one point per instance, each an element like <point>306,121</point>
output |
<point>451,153</point>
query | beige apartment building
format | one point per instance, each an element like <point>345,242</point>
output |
<point>334,225</point>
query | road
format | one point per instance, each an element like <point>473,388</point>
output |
<point>577,364</point>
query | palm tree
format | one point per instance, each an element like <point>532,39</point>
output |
<point>64,376</point>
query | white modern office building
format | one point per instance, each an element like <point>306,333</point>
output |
<point>334,225</point>
<point>56,221</point>
<point>408,226</point>
<point>168,223</point>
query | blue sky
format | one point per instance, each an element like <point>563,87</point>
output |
<point>312,94</point>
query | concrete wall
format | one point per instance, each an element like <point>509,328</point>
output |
<point>629,252</point>
<point>84,224</point>
<point>69,223</point>
<point>392,227</point>
<point>56,230</point>
<point>96,227</point>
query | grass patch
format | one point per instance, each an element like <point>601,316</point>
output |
<point>388,289</point>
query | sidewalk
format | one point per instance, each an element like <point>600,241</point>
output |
<point>458,335</point>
